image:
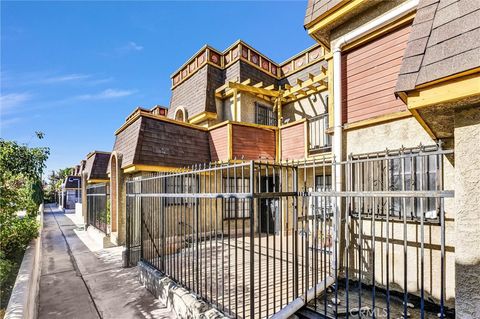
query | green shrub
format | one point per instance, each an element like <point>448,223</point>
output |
<point>6,267</point>
<point>16,233</point>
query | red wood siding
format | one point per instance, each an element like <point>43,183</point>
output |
<point>371,73</point>
<point>253,143</point>
<point>293,141</point>
<point>218,139</point>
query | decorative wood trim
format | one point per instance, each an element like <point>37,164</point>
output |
<point>265,127</point>
<point>332,15</point>
<point>235,52</point>
<point>141,113</point>
<point>448,78</point>
<point>293,123</point>
<point>261,126</point>
<point>235,104</point>
<point>148,168</point>
<point>331,121</point>
<point>377,120</point>
<point>445,92</point>
<point>423,124</point>
<point>202,117</point>
<point>98,180</point>
<point>230,141</point>
<point>278,147</point>
<point>306,139</point>
<point>231,88</point>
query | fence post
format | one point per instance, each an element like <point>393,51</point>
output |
<point>138,200</point>
<point>128,226</point>
<point>197,269</point>
<point>252,246</point>
<point>163,219</point>
<point>295,232</point>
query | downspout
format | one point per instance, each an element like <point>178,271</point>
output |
<point>337,147</point>
<point>354,35</point>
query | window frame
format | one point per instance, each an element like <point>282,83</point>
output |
<point>270,117</point>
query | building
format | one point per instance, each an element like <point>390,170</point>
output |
<point>71,192</point>
<point>425,53</point>
<point>96,191</point>
<point>358,144</point>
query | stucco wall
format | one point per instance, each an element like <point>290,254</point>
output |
<point>467,202</point>
<point>393,135</point>
<point>247,107</point>
<point>310,106</point>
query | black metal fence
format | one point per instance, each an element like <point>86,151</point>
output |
<point>254,238</point>
<point>98,206</point>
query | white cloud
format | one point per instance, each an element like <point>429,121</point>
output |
<point>64,78</point>
<point>128,48</point>
<point>12,100</point>
<point>51,78</point>
<point>106,94</point>
<point>133,46</point>
<point>8,122</point>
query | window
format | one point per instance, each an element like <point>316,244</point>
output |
<point>180,114</point>
<point>265,115</point>
<point>323,204</point>
<point>323,183</point>
<point>180,185</point>
<point>411,173</point>
<point>236,208</point>
<point>414,177</point>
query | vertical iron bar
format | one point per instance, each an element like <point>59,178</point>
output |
<point>252,253</point>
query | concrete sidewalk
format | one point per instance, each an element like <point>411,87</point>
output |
<point>82,280</point>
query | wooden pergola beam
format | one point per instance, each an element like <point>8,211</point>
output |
<point>299,95</point>
<point>253,89</point>
<point>307,84</point>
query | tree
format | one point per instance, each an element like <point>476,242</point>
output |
<point>21,169</point>
<point>55,180</point>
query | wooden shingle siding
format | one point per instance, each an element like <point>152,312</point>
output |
<point>255,75</point>
<point>97,165</point>
<point>191,94</point>
<point>218,140</point>
<point>371,72</point>
<point>126,142</point>
<point>150,141</point>
<point>293,142</point>
<point>253,143</point>
<point>166,144</point>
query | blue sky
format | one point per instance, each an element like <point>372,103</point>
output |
<point>75,70</point>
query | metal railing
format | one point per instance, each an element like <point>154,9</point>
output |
<point>98,207</point>
<point>290,238</point>
<point>319,140</point>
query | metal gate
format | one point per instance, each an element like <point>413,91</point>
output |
<point>256,238</point>
<point>98,207</point>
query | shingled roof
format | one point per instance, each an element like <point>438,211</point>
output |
<point>71,181</point>
<point>151,140</point>
<point>445,40</point>
<point>316,8</point>
<point>97,164</point>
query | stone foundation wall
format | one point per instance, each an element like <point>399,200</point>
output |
<point>177,298</point>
